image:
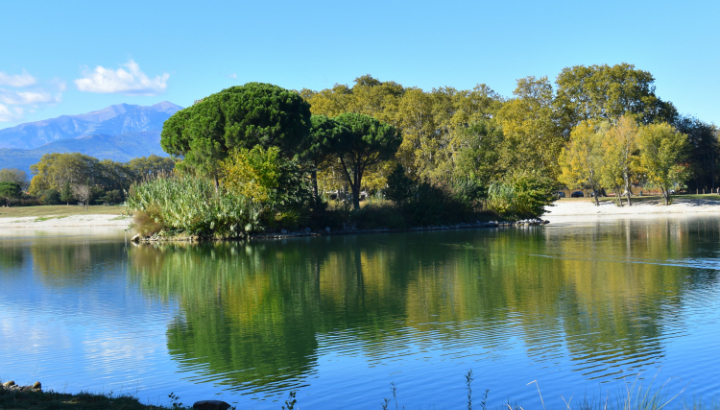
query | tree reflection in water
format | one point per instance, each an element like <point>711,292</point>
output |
<point>255,316</point>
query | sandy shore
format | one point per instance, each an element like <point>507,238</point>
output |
<point>74,221</point>
<point>608,208</point>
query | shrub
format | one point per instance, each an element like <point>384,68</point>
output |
<point>432,205</point>
<point>112,197</point>
<point>523,194</point>
<point>271,182</point>
<point>8,191</point>
<point>379,216</point>
<point>469,192</point>
<point>51,197</point>
<point>191,205</point>
<point>399,186</point>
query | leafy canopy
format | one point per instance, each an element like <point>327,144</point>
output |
<point>237,117</point>
<point>662,151</point>
<point>367,143</point>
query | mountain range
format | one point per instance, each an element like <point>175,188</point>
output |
<point>119,132</point>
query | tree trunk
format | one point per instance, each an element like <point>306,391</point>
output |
<point>356,196</point>
<point>316,194</point>
<point>597,200</point>
<point>356,189</point>
<point>626,178</point>
<point>666,195</point>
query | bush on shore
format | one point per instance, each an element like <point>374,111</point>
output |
<point>193,206</point>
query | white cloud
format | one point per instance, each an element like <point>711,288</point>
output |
<point>12,97</point>
<point>14,103</point>
<point>17,80</point>
<point>10,114</point>
<point>233,75</point>
<point>129,82</point>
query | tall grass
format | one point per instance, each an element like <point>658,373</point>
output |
<point>191,205</point>
<point>631,395</point>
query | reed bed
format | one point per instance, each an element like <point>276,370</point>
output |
<point>192,206</point>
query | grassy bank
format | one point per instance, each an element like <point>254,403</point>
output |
<point>13,399</point>
<point>60,210</point>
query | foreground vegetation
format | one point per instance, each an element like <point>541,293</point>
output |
<point>13,399</point>
<point>633,396</point>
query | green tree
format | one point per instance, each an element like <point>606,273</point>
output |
<point>66,195</point>
<point>704,152</point>
<point>429,121</point>
<point>478,155</point>
<point>581,160</point>
<point>151,166</point>
<point>51,197</point>
<point>529,123</point>
<point>55,169</point>
<point>399,186</point>
<point>237,117</point>
<point>367,143</point>
<point>13,175</point>
<point>319,146</point>
<point>662,151</point>
<point>602,92</point>
<point>9,190</point>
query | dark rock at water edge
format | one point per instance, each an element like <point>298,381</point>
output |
<point>211,405</point>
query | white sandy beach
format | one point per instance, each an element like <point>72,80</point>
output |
<point>74,221</point>
<point>609,209</point>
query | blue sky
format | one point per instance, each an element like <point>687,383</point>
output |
<point>64,57</point>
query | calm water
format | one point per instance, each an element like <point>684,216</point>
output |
<point>575,306</point>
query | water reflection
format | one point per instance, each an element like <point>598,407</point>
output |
<point>257,316</point>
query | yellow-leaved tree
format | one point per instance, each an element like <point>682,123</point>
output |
<point>620,146</point>
<point>270,180</point>
<point>581,160</point>
<point>662,151</point>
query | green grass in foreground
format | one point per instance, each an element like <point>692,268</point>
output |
<point>12,399</point>
<point>636,393</point>
<point>44,211</point>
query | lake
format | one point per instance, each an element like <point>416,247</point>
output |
<point>582,308</point>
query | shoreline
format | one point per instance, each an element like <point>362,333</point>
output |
<point>137,239</point>
<point>559,211</point>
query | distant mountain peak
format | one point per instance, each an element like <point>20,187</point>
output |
<point>106,113</point>
<point>113,120</point>
<point>167,105</point>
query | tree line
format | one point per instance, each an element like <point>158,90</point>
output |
<point>452,135</point>
<point>597,127</point>
<point>77,178</point>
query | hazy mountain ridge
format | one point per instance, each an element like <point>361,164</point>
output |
<point>119,132</point>
<point>114,120</point>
